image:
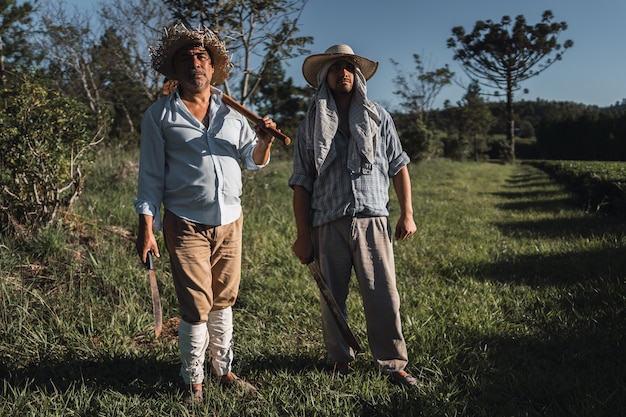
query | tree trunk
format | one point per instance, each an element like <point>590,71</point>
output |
<point>2,77</point>
<point>510,121</point>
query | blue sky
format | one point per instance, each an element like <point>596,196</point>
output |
<point>592,72</point>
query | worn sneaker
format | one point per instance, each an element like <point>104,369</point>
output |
<point>342,368</point>
<point>192,394</point>
<point>403,379</point>
<point>230,380</point>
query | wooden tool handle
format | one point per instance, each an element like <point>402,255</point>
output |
<point>342,324</point>
<point>254,118</point>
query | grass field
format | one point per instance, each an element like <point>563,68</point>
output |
<point>513,303</point>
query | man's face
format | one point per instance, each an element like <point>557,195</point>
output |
<point>340,77</point>
<point>193,67</point>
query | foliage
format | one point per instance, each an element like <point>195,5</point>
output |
<point>502,55</point>
<point>119,86</point>
<point>101,60</point>
<point>110,67</point>
<point>46,144</point>
<point>586,133</point>
<point>468,126</point>
<point>258,34</point>
<point>133,25</point>
<point>507,288</point>
<point>13,33</point>
<point>419,89</point>
<point>282,100</point>
<point>549,130</point>
<point>418,141</point>
<point>88,69</point>
<point>123,65</point>
<point>601,185</point>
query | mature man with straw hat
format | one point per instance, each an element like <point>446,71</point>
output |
<point>192,147</point>
<point>346,150</point>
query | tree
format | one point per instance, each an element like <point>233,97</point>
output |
<point>258,33</point>
<point>469,124</point>
<point>502,55</point>
<point>13,21</point>
<point>419,89</point>
<point>67,42</point>
<point>122,63</point>
<point>136,24</point>
<point>119,85</point>
<point>279,97</point>
<point>104,62</point>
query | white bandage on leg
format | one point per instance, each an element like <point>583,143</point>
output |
<point>193,340</point>
<point>220,326</point>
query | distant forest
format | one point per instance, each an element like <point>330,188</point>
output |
<point>544,130</point>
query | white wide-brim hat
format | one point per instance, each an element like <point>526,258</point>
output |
<point>178,36</point>
<point>314,63</point>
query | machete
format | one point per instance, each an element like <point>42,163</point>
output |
<point>334,308</point>
<point>156,299</point>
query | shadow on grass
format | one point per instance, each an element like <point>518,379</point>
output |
<point>546,269</point>
<point>563,354</point>
<point>521,194</point>
<point>528,192</point>
<point>140,376</point>
<point>152,379</point>
<point>576,373</point>
<point>546,205</point>
<point>589,226</point>
<point>539,269</point>
<point>529,179</point>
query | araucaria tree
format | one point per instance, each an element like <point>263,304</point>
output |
<point>502,55</point>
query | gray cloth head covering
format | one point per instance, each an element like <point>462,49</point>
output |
<point>323,121</point>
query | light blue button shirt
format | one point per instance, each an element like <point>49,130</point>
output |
<point>194,172</point>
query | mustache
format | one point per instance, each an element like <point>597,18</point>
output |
<point>196,71</point>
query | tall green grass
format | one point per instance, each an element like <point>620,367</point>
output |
<point>513,304</point>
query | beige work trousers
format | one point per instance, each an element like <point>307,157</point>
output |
<point>206,265</point>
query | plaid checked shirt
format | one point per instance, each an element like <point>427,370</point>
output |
<point>336,191</point>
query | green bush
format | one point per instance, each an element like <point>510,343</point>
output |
<point>45,143</point>
<point>601,184</point>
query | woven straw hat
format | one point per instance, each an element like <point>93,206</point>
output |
<point>314,63</point>
<point>178,36</point>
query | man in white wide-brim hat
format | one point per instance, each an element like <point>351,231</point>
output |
<point>346,150</point>
<point>192,150</point>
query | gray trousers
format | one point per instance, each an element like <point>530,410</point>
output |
<point>362,244</point>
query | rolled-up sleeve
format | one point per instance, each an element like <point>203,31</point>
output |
<point>249,142</point>
<point>395,155</point>
<point>303,173</point>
